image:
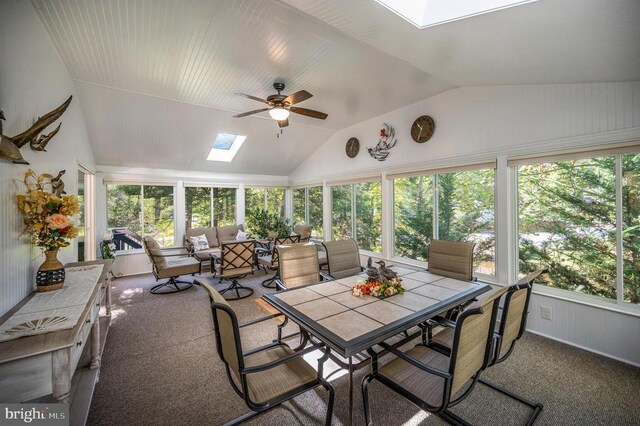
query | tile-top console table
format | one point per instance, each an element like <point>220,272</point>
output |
<point>42,341</point>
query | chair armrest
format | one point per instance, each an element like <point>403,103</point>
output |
<point>415,362</point>
<point>284,360</point>
<point>259,320</point>
<point>263,251</point>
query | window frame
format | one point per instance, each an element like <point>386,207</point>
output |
<point>212,211</point>
<point>306,203</point>
<point>142,184</point>
<point>617,304</point>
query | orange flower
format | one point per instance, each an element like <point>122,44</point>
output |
<point>57,221</point>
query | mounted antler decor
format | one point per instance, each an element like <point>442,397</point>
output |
<point>387,141</point>
<point>10,147</point>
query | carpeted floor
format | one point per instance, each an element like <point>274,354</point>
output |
<point>160,367</point>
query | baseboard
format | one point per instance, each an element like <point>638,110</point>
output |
<point>626,361</point>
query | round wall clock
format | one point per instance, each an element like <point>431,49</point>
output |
<point>422,129</point>
<point>353,147</point>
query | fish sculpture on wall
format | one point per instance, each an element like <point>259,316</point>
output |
<point>387,141</point>
<point>10,147</point>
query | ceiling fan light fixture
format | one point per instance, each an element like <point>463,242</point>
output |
<point>279,113</point>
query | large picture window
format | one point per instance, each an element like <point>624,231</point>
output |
<point>357,213</point>
<point>567,223</point>
<point>307,208</point>
<point>463,203</point>
<point>206,207</point>
<point>270,199</point>
<point>136,211</point>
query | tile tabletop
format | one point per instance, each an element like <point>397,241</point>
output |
<point>424,276</point>
<point>321,308</point>
<point>349,300</point>
<point>384,312</point>
<point>435,292</point>
<point>330,287</point>
<point>298,296</point>
<point>412,301</point>
<point>350,324</point>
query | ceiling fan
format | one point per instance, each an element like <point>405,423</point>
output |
<point>280,105</point>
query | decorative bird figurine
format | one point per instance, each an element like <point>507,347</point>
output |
<point>10,147</point>
<point>387,141</point>
<point>386,272</point>
<point>57,185</point>
<point>372,272</point>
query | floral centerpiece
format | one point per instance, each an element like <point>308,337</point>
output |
<point>47,220</point>
<point>378,288</point>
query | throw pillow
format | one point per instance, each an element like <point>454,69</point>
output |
<point>241,236</point>
<point>200,242</point>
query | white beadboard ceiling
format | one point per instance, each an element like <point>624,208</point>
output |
<point>156,78</point>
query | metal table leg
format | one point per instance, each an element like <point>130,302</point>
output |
<point>350,391</point>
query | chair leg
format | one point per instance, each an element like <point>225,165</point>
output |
<point>365,399</point>
<point>242,418</point>
<point>537,407</point>
<point>236,287</point>
<point>171,282</point>
<point>329,389</point>
<point>270,282</point>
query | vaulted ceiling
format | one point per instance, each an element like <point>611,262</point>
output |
<point>156,78</point>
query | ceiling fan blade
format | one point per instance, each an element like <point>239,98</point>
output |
<point>283,123</point>
<point>309,113</point>
<point>253,97</point>
<point>244,114</point>
<point>297,97</point>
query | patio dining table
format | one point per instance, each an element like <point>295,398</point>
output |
<point>350,324</point>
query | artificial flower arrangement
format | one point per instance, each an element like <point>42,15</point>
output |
<point>47,216</point>
<point>378,288</point>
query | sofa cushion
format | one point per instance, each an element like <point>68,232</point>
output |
<point>210,233</point>
<point>228,233</point>
<point>200,242</point>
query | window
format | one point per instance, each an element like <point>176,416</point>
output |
<point>466,213</point>
<point>462,202</point>
<point>135,211</point>
<point>413,216</point>
<point>631,227</point>
<point>567,223</point>
<point>307,208</point>
<point>206,207</point>
<point>225,147</point>
<point>270,199</point>
<point>357,213</point>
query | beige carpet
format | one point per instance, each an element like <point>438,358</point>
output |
<point>160,367</point>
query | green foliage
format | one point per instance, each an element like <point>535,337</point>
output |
<point>567,217</point>
<point>262,223</point>
<point>413,213</point>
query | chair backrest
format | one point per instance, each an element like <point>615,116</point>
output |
<point>451,259</point>
<point>154,252</point>
<point>516,304</point>
<point>237,258</point>
<point>471,347</point>
<point>227,332</point>
<point>281,241</point>
<point>227,234</point>
<point>298,264</point>
<point>303,230</point>
<point>343,258</point>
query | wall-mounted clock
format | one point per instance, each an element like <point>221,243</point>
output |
<point>422,129</point>
<point>353,147</point>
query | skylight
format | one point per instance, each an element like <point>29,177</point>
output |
<point>427,13</point>
<point>225,147</point>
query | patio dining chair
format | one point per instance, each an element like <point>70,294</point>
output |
<point>510,326</point>
<point>266,376</point>
<point>268,258</point>
<point>343,257</point>
<point>432,380</point>
<point>298,266</point>
<point>452,259</point>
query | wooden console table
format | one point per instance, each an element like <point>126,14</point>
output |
<point>54,366</point>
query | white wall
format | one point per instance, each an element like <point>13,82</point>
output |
<point>488,123</point>
<point>33,81</point>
